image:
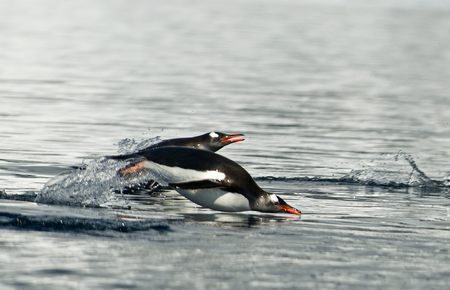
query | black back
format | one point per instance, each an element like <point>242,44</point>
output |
<point>205,142</point>
<point>211,141</point>
<point>181,142</point>
<point>237,178</point>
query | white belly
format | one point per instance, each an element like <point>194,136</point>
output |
<point>167,174</point>
<point>212,198</point>
<point>216,199</point>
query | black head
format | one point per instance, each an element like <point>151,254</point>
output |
<point>270,202</point>
<point>213,141</point>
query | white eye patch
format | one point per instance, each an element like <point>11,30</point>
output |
<point>213,135</point>
<point>274,198</point>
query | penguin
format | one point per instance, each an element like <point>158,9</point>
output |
<point>211,141</point>
<point>207,179</point>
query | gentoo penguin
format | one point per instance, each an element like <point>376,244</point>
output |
<point>208,179</point>
<point>212,141</point>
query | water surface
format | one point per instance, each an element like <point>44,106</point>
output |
<point>344,103</point>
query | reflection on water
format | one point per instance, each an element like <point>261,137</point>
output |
<point>238,220</point>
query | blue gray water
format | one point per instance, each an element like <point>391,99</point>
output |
<point>345,105</point>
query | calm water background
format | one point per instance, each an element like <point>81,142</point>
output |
<point>327,92</point>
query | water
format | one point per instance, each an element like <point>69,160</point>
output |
<point>344,104</point>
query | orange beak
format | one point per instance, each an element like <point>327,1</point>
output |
<point>289,209</point>
<point>233,138</point>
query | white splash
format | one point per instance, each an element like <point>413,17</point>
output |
<point>391,171</point>
<point>94,184</point>
<point>130,145</point>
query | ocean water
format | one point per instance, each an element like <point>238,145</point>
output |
<point>345,106</point>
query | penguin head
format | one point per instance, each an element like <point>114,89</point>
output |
<point>214,141</point>
<point>273,203</point>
